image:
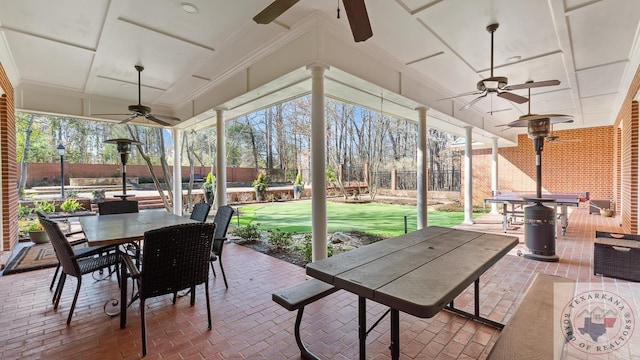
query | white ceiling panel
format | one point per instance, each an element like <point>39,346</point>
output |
<point>74,22</point>
<point>600,80</point>
<point>597,34</point>
<point>597,104</point>
<point>462,25</point>
<point>66,65</point>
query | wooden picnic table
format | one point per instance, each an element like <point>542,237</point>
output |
<point>419,273</point>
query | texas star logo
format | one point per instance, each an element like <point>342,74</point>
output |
<point>597,322</point>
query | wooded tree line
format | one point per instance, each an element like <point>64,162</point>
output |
<point>276,138</point>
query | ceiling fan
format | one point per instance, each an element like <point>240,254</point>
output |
<point>498,84</point>
<point>144,111</point>
<point>355,9</point>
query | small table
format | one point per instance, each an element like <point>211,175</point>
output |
<point>124,228</point>
<point>419,273</point>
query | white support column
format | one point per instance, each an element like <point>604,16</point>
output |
<point>468,177</point>
<point>318,155</point>
<point>422,172</point>
<point>221,160</point>
<point>494,172</point>
<point>177,171</point>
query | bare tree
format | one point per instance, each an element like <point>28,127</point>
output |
<point>168,202</point>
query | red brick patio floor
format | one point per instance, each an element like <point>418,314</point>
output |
<point>247,324</point>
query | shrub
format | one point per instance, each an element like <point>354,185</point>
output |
<point>71,193</point>
<point>260,183</point>
<point>44,206</point>
<point>306,248</point>
<point>24,211</point>
<point>248,232</point>
<point>280,239</point>
<point>71,205</point>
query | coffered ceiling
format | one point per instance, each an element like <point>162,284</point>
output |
<point>77,57</point>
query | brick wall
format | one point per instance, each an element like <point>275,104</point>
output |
<point>36,172</point>
<point>627,158</point>
<point>9,165</point>
<point>580,162</point>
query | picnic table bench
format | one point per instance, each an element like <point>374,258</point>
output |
<point>296,298</point>
<point>532,331</point>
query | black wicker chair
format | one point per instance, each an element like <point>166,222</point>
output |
<point>173,258</point>
<point>72,264</point>
<point>200,212</point>
<point>79,252</point>
<point>222,220</point>
<point>118,207</point>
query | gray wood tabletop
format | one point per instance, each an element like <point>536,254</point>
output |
<point>123,228</point>
<point>417,273</point>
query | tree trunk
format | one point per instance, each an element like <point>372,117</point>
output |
<point>168,203</point>
<point>25,152</point>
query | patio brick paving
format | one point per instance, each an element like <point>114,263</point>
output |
<point>247,324</point>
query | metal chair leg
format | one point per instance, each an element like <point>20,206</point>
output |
<point>55,275</point>
<point>223,275</point>
<point>75,298</point>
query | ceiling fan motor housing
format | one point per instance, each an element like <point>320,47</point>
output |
<point>494,83</point>
<point>139,109</point>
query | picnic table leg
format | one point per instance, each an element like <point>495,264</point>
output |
<point>395,334</point>
<point>504,218</point>
<point>362,326</point>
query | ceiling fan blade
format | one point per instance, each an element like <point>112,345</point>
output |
<point>165,117</point>
<point>275,9</point>
<point>129,119</point>
<point>470,104</point>
<point>529,85</point>
<point>463,94</point>
<point>156,120</point>
<point>513,97</point>
<point>358,19</point>
<point>111,114</point>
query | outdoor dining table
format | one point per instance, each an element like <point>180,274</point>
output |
<point>125,228</point>
<point>419,273</point>
<point>120,229</point>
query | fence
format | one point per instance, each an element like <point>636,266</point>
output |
<point>407,180</point>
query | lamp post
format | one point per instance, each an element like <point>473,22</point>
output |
<point>124,148</point>
<point>61,152</point>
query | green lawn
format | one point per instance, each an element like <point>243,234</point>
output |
<point>375,218</point>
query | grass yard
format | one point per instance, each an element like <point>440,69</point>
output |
<point>374,218</point>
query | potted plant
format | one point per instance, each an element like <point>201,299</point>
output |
<point>33,229</point>
<point>298,186</point>
<point>260,186</point>
<point>208,188</point>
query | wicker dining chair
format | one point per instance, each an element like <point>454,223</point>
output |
<point>173,258</point>
<point>76,244</point>
<point>72,264</point>
<point>200,212</point>
<point>118,207</point>
<point>222,220</point>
